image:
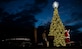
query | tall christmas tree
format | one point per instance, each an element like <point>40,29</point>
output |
<point>57,28</point>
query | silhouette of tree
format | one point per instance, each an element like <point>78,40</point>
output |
<point>20,25</point>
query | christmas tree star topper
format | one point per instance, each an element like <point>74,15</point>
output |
<point>55,4</point>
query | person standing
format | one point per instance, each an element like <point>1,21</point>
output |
<point>45,41</point>
<point>67,36</point>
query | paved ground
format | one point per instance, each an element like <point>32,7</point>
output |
<point>72,47</point>
<point>61,48</point>
<point>45,48</point>
<point>58,48</point>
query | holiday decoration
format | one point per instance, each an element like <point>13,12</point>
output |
<point>57,28</point>
<point>67,36</point>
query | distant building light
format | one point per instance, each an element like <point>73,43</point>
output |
<point>2,40</point>
<point>26,39</point>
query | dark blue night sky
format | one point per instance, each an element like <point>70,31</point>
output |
<point>70,11</point>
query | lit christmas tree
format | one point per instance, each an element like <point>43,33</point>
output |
<point>57,28</point>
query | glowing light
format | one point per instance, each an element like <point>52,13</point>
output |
<point>55,4</point>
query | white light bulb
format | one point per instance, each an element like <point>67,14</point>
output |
<point>55,4</point>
